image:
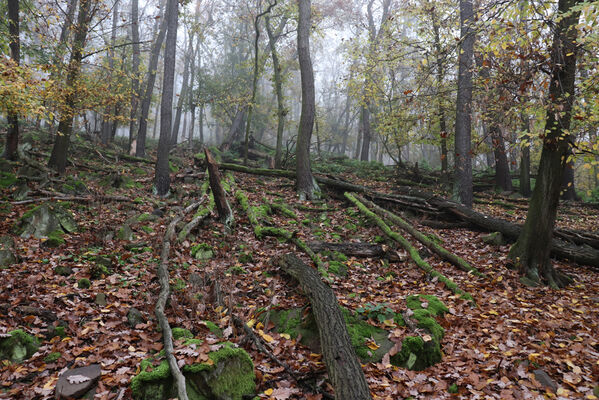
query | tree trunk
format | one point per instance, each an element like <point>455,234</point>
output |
<point>135,92</point>
<point>525,160</point>
<point>108,117</point>
<point>272,42</point>
<point>440,80</point>
<point>366,134</point>
<point>182,95</point>
<point>463,156</point>
<point>568,189</point>
<point>12,136</point>
<point>161,176</point>
<point>58,157</point>
<point>531,251</point>
<point>503,179</point>
<point>140,150</point>
<point>343,366</point>
<point>220,197</point>
<point>359,138</point>
<point>305,182</point>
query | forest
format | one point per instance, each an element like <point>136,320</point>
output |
<point>299,199</point>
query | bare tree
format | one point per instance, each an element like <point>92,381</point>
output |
<point>12,137</point>
<point>134,70</point>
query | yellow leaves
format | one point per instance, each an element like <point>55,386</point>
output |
<point>266,336</point>
<point>492,312</point>
<point>268,392</point>
<point>286,336</point>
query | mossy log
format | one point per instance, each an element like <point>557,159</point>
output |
<point>339,356</point>
<point>355,249</point>
<point>451,285</point>
<point>422,238</point>
<point>163,278</point>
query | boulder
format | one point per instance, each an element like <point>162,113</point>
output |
<point>78,382</point>
<point>134,317</point>
<point>8,254</point>
<point>45,220</point>
<point>17,346</point>
<point>228,376</point>
<point>125,233</point>
<point>202,251</point>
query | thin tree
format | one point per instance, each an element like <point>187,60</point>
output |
<point>12,137</point>
<point>306,185</point>
<point>162,179</point>
<point>110,111</point>
<point>531,252</point>
<point>134,71</point>
<point>272,43</point>
<point>140,149</point>
<point>463,122</point>
<point>183,95</point>
<point>58,157</point>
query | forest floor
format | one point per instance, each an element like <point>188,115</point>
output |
<point>490,351</point>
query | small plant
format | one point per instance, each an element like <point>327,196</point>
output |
<point>84,283</point>
<point>378,312</point>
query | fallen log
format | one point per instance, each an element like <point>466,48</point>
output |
<point>435,247</point>
<point>163,278</point>
<point>343,366</point>
<point>428,203</point>
<point>78,199</point>
<point>420,263</point>
<point>355,249</point>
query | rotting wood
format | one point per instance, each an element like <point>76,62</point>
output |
<point>451,285</point>
<point>428,203</point>
<point>220,197</point>
<point>345,371</point>
<point>163,278</point>
<point>435,247</point>
<point>355,249</point>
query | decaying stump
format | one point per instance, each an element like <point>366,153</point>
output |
<point>220,198</point>
<point>339,356</point>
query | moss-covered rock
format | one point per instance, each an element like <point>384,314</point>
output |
<point>338,268</point>
<point>181,333</point>
<point>214,329</point>
<point>84,283</point>
<point>202,251</point>
<point>55,239</point>
<point>228,376</point>
<point>18,346</point>
<point>495,239</point>
<point>98,271</point>
<point>7,179</point>
<point>369,342</point>
<point>428,302</point>
<point>43,220</point>
<point>8,255</point>
<point>125,233</point>
<point>52,357</point>
<point>417,354</point>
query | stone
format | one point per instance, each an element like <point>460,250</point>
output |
<point>495,239</point>
<point>8,255</point>
<point>545,380</point>
<point>63,270</point>
<point>158,212</point>
<point>125,233</point>
<point>100,299</point>
<point>134,317</point>
<point>84,380</point>
<point>17,346</point>
<point>45,220</point>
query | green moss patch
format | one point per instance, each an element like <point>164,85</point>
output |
<point>428,302</point>
<point>202,251</point>
<point>18,346</point>
<point>7,179</point>
<point>52,357</point>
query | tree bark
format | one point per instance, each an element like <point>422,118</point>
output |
<point>183,94</point>
<point>12,136</point>
<point>220,197</point>
<point>366,134</point>
<point>110,111</point>
<point>525,160</point>
<point>58,157</point>
<point>343,366</point>
<point>463,156</point>
<point>140,150</point>
<point>531,251</point>
<point>568,189</point>
<point>135,89</point>
<point>161,176</point>
<point>305,182</point>
<point>272,42</point>
<point>503,179</point>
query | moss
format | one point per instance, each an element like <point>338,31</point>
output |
<point>416,354</point>
<point>236,270</point>
<point>338,268</point>
<point>178,285</point>
<point>246,258</point>
<point>284,210</point>
<point>361,333</point>
<point>58,331</point>
<point>202,251</point>
<point>435,306</point>
<point>7,179</point>
<point>426,321</point>
<point>18,346</point>
<point>147,384</point>
<point>339,256</point>
<point>84,283</point>
<point>179,333</point>
<point>147,229</point>
<point>453,388</point>
<point>52,357</point>
<point>145,217</point>
<point>98,271</point>
<point>63,270</point>
<point>214,329</point>
<point>55,239</point>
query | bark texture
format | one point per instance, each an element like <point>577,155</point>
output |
<point>343,366</point>
<point>463,122</point>
<point>161,176</point>
<point>12,136</point>
<point>531,251</point>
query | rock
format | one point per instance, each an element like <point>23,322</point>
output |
<point>545,380</point>
<point>55,239</point>
<point>8,255</point>
<point>100,299</point>
<point>17,346</point>
<point>77,382</point>
<point>84,283</point>
<point>495,239</point>
<point>46,219</point>
<point>63,270</point>
<point>134,317</point>
<point>202,251</point>
<point>125,233</point>
<point>158,212</point>
<point>230,376</point>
